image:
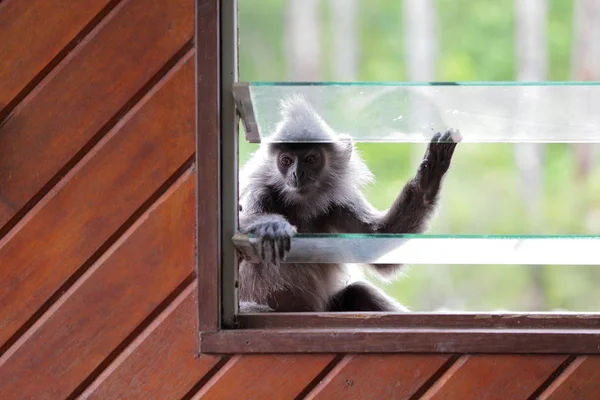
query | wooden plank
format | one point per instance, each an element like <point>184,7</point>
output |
<point>74,102</point>
<point>419,320</point>
<point>402,340</point>
<point>75,219</point>
<point>208,163</point>
<point>378,376</point>
<point>162,363</point>
<point>496,376</point>
<point>264,377</point>
<point>580,380</point>
<point>33,33</point>
<point>106,305</point>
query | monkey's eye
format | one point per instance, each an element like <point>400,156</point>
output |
<point>311,159</point>
<point>285,161</point>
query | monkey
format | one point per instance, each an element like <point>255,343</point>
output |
<point>308,179</point>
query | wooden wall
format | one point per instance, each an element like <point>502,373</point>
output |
<point>97,232</point>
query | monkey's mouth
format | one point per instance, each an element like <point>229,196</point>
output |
<point>302,187</point>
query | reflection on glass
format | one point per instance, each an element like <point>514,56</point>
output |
<point>436,249</point>
<point>513,112</point>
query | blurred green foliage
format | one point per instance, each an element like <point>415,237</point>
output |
<point>482,192</point>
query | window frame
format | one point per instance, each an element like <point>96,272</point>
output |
<point>222,330</point>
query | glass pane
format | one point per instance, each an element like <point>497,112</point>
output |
<point>436,249</point>
<point>493,112</point>
<point>492,188</point>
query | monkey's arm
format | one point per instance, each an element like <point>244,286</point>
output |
<point>412,209</point>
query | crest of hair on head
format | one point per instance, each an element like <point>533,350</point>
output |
<point>300,122</point>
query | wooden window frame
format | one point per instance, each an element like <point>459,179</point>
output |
<point>223,331</point>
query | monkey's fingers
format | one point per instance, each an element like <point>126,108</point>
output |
<point>455,138</point>
<point>446,137</point>
<point>274,251</point>
<point>435,138</point>
<point>263,246</point>
<point>282,248</point>
<point>455,135</point>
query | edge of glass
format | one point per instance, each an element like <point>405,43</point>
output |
<point>432,83</point>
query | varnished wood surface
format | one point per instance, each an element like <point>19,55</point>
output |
<point>580,380</point>
<point>171,343</point>
<point>420,320</point>
<point>25,53</point>
<point>208,144</point>
<point>278,377</point>
<point>98,202</point>
<point>378,376</point>
<point>97,197</point>
<point>83,96</point>
<point>494,377</point>
<point>121,290</point>
<point>402,340</point>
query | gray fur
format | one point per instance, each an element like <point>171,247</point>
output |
<point>274,211</point>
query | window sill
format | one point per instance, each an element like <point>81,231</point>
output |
<point>407,333</point>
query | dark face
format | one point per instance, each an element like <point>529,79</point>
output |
<point>301,166</point>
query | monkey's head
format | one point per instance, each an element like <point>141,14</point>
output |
<point>307,156</point>
<point>305,161</point>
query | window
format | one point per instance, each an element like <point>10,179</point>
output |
<point>544,129</point>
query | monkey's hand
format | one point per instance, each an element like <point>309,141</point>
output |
<point>274,233</point>
<point>436,162</point>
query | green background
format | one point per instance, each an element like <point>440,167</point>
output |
<point>481,194</point>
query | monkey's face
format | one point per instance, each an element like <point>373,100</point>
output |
<point>301,167</point>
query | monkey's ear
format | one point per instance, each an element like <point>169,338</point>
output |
<point>345,147</point>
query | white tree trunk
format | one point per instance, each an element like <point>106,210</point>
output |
<point>421,51</point>
<point>303,38</point>
<point>585,65</point>
<point>532,58</point>
<point>344,32</point>
<point>420,39</point>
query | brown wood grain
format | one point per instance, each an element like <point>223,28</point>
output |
<point>74,220</point>
<point>580,380</point>
<point>33,32</point>
<point>278,377</point>
<point>402,340</point>
<point>377,376</point>
<point>208,163</point>
<point>498,376</point>
<point>419,320</point>
<point>163,362</point>
<point>75,101</point>
<point>106,305</point>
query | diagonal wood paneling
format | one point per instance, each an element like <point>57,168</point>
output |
<point>499,377</point>
<point>580,380</point>
<point>162,363</point>
<point>122,289</point>
<point>264,376</point>
<point>97,204</point>
<point>33,33</point>
<point>85,91</point>
<point>96,198</point>
<point>378,376</point>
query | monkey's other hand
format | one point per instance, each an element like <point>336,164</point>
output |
<point>436,162</point>
<point>274,234</point>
